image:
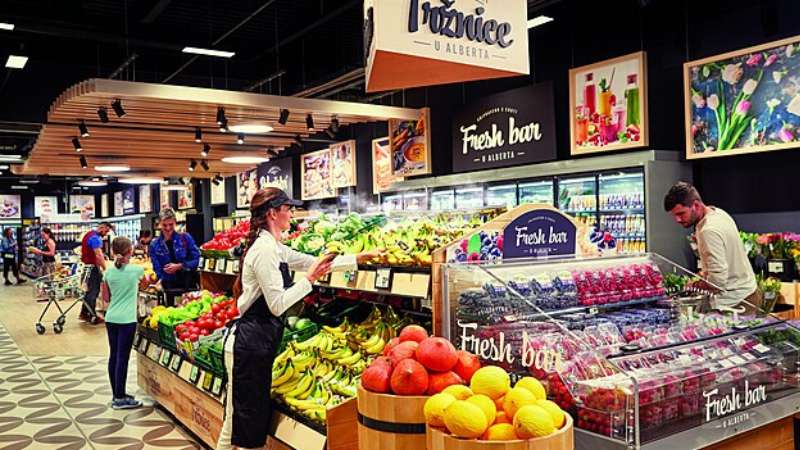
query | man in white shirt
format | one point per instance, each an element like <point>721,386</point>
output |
<point>722,253</point>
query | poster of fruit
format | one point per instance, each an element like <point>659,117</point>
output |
<point>411,145</point>
<point>609,105</point>
<point>145,199</point>
<point>744,101</point>
<point>104,205</point>
<point>382,177</point>
<point>218,193</point>
<point>246,188</point>
<point>344,164</point>
<point>316,175</point>
<point>118,211</point>
<point>186,197</point>
<point>128,201</point>
<point>83,205</point>
<point>164,198</point>
<point>276,173</point>
<point>11,207</point>
<point>45,207</point>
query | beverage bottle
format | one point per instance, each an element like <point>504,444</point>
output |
<point>632,101</point>
<point>589,93</point>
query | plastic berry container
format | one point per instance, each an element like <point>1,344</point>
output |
<point>651,415</point>
<point>672,387</point>
<point>690,405</point>
<point>650,391</point>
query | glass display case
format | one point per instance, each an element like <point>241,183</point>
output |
<point>502,195</point>
<point>443,200</point>
<point>392,202</point>
<point>469,197</point>
<point>578,197</point>
<point>622,208</point>
<point>415,201</point>
<point>623,345</point>
<point>536,192</point>
<point>31,236</point>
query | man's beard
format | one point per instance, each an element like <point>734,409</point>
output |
<point>693,220</point>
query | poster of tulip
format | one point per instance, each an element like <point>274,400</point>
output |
<point>745,101</point>
<point>609,105</point>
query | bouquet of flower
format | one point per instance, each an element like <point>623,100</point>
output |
<point>778,245</point>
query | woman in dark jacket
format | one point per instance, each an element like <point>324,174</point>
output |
<point>175,257</point>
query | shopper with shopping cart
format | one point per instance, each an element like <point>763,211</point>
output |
<point>10,249</point>
<point>175,257</point>
<point>94,259</point>
<point>48,252</point>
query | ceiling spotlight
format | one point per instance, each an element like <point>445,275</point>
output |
<point>116,105</point>
<point>220,115</point>
<point>206,149</point>
<point>271,153</point>
<point>310,122</point>
<point>84,164</point>
<point>240,139</point>
<point>219,178</point>
<point>198,135</point>
<point>298,140</point>
<point>215,181</point>
<point>77,144</point>
<point>223,127</point>
<point>102,113</point>
<point>335,124</point>
<point>204,165</point>
<point>284,117</point>
<point>192,165</point>
<point>83,129</point>
<point>331,134</point>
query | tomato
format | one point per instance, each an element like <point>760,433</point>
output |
<point>180,329</point>
<point>204,332</point>
<point>223,315</point>
<point>218,324</point>
<point>193,337</point>
<point>234,312</point>
<point>190,323</point>
<point>195,330</point>
<point>183,336</point>
<point>215,308</point>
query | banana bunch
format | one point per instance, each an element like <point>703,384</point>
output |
<point>158,311</point>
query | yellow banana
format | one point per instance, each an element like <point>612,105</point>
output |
<point>310,343</point>
<point>303,361</point>
<point>350,360</point>
<point>284,356</point>
<point>302,385</point>
<point>283,377</point>
<point>301,405</point>
<point>371,341</point>
<point>289,385</point>
<point>307,393</point>
<point>376,348</point>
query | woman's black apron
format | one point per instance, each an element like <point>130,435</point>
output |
<point>258,338</point>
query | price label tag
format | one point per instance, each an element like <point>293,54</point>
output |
<point>230,267</point>
<point>235,265</point>
<point>727,363</point>
<point>684,359</point>
<point>194,375</point>
<point>738,360</point>
<point>749,356</point>
<point>202,262</point>
<point>594,310</point>
<point>210,264</point>
<point>154,352</point>
<point>166,356</point>
<point>208,380</point>
<point>143,346</point>
<point>762,349</point>
<point>175,365</point>
<point>221,263</point>
<point>775,267</point>
<point>383,279</point>
<point>216,386</point>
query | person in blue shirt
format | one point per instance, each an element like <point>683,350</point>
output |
<point>175,257</point>
<point>9,249</point>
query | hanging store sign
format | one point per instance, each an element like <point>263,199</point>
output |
<point>508,129</point>
<point>539,233</point>
<point>128,202</point>
<point>276,173</point>
<point>412,43</point>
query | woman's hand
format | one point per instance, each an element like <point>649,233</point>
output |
<point>365,257</point>
<point>320,268</point>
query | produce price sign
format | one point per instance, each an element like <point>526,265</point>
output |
<point>317,175</point>
<point>410,141</point>
<point>508,129</point>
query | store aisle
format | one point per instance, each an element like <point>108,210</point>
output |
<point>63,401</point>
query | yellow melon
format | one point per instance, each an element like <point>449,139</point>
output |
<point>435,407</point>
<point>491,381</point>
<point>465,420</point>
<point>533,421</point>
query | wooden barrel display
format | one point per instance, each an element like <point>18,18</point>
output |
<point>562,439</point>
<point>390,422</point>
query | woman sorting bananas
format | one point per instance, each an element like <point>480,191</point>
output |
<point>267,293</point>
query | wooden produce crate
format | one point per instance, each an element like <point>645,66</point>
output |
<point>390,422</point>
<point>563,439</point>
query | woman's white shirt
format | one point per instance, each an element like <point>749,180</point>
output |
<point>261,274</point>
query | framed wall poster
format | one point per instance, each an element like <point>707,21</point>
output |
<point>276,173</point>
<point>104,209</point>
<point>83,205</point>
<point>246,187</point>
<point>316,175</point>
<point>11,207</point>
<point>145,199</point>
<point>118,210</point>
<point>608,101</point>
<point>344,164</point>
<point>411,145</point>
<point>45,207</point>
<point>163,198</point>
<point>218,193</point>
<point>186,197</point>
<point>382,178</point>
<point>128,201</point>
<point>745,101</point>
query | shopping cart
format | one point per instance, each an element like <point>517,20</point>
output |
<point>59,287</point>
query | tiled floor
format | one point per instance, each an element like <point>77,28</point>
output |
<point>63,402</point>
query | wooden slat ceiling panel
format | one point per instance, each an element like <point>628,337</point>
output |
<point>156,135</point>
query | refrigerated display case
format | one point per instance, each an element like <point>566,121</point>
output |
<point>622,208</point>
<point>536,192</point>
<point>443,200</point>
<point>415,201</point>
<point>616,346</point>
<point>502,195</point>
<point>469,197</point>
<point>31,236</point>
<point>392,202</point>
